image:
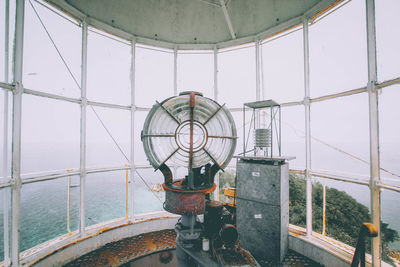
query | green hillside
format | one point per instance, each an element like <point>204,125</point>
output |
<point>343,213</point>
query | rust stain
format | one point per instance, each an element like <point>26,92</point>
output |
<point>128,249</point>
<point>326,9</point>
<point>92,235</point>
<point>148,239</point>
<point>109,257</point>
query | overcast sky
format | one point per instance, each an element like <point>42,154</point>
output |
<point>337,59</point>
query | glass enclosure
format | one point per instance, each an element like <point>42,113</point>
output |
<point>86,94</point>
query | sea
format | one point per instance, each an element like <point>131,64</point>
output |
<point>44,205</point>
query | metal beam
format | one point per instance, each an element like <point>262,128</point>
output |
<point>52,96</point>
<point>373,132</point>
<point>307,127</point>
<point>227,18</point>
<point>133,110</point>
<point>209,3</point>
<point>258,90</point>
<point>107,105</point>
<point>389,187</point>
<point>338,177</point>
<point>185,46</point>
<point>216,178</point>
<point>5,137</point>
<point>16,131</point>
<point>83,128</point>
<point>215,73</point>
<point>175,71</point>
<point>344,93</point>
<point>6,86</point>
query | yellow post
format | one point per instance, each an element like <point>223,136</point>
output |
<point>126,194</point>
<point>69,205</point>
<point>324,211</point>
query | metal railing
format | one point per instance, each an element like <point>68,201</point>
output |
<point>18,91</point>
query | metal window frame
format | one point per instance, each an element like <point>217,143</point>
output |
<point>83,103</point>
<point>16,131</point>
<point>133,111</point>
<point>375,183</point>
<point>307,112</point>
<point>6,238</point>
<point>375,193</point>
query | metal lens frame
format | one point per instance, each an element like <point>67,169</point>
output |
<point>166,125</point>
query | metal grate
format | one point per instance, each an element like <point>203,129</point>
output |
<point>133,248</point>
<point>292,258</point>
<point>128,249</point>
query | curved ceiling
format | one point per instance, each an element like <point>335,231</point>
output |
<point>194,22</point>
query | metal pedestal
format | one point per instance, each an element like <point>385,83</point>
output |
<point>263,206</point>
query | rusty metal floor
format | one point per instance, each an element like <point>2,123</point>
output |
<point>130,249</point>
<point>292,259</point>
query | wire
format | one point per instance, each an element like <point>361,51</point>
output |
<point>95,112</point>
<point>52,41</point>
<point>73,20</point>
<point>296,131</point>
<point>144,181</point>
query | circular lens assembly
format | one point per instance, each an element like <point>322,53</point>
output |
<point>189,130</point>
<point>182,136</point>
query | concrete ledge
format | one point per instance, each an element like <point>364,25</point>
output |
<point>61,250</point>
<point>323,249</point>
<point>321,253</point>
<point>64,249</point>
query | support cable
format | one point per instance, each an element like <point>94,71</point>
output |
<point>296,131</point>
<point>93,109</point>
<point>55,46</point>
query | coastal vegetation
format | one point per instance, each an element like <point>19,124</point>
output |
<point>343,213</point>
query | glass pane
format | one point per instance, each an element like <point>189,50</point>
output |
<point>238,118</point>
<point>390,223</point>
<point>297,200</point>
<point>387,41</point>
<point>226,179</point>
<point>2,133</point>
<point>3,193</point>
<point>347,206</point>
<point>106,196</point>
<point>10,38</point>
<point>282,66</point>
<point>35,228</point>
<point>50,134</point>
<point>101,149</point>
<point>140,156</point>
<point>338,51</point>
<point>237,76</point>
<point>154,75</point>
<point>340,135</point>
<point>1,227</point>
<point>149,195</point>
<point>109,64</point>
<point>44,69</point>
<point>196,72</point>
<point>2,37</point>
<point>389,132</point>
<point>293,135</point>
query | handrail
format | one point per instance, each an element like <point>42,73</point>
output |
<point>366,230</point>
